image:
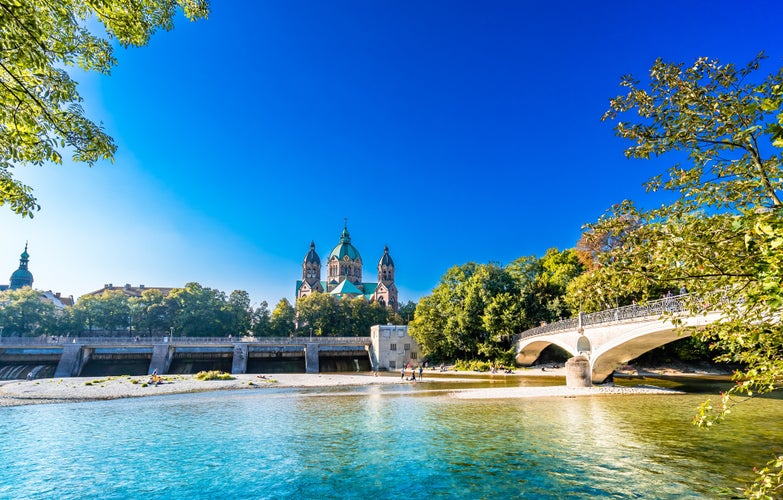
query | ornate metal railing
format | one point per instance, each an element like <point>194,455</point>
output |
<point>654,308</point>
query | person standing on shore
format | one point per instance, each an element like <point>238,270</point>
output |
<point>421,372</point>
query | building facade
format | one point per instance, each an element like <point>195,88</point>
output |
<point>129,290</point>
<point>344,275</point>
<point>393,348</point>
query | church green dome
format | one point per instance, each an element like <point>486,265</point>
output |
<point>22,277</point>
<point>345,248</point>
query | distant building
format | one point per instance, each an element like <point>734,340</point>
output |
<point>393,347</point>
<point>130,291</point>
<point>57,299</point>
<point>344,275</point>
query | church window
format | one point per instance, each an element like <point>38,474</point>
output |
<point>407,347</point>
<point>392,347</point>
<point>413,354</point>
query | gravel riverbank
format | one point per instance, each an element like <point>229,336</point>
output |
<point>80,389</point>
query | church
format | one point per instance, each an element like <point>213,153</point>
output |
<point>344,275</point>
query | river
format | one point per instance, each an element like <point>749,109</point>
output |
<point>381,442</point>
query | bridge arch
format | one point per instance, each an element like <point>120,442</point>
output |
<point>630,346</point>
<point>530,349</point>
<point>645,337</point>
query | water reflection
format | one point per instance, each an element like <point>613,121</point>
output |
<point>379,442</point>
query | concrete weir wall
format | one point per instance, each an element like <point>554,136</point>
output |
<point>312,363</point>
<point>239,364</point>
<point>71,362</point>
<point>135,356</point>
<point>161,358</point>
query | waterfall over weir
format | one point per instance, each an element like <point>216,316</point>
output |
<point>21,371</point>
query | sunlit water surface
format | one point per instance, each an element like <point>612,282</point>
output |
<point>380,442</point>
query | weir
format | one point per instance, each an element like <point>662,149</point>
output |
<point>73,357</point>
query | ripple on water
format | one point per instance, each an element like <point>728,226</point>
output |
<point>379,443</point>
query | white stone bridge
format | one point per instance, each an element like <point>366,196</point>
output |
<point>613,337</point>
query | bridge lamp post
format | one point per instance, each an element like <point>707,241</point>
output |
<point>171,337</point>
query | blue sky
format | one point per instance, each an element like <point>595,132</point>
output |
<point>450,131</point>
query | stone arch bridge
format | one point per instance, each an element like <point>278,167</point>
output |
<point>612,337</point>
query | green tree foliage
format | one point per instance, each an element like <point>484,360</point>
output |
<point>282,322</point>
<point>720,236</point>
<point>26,313</point>
<point>450,323</point>
<point>407,312</point>
<point>261,319</point>
<point>40,111</point>
<point>240,313</point>
<point>542,284</point>
<point>149,312</point>
<point>198,311</point>
<point>115,311</point>
<point>86,314</point>
<point>322,314</point>
<point>317,314</point>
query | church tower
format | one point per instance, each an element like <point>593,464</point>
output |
<point>386,268</point>
<point>22,277</point>
<point>386,292</point>
<point>311,273</point>
<point>345,263</point>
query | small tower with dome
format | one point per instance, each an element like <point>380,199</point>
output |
<point>22,277</point>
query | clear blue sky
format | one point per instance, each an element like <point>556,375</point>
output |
<point>451,131</point>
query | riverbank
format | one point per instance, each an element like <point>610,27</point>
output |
<point>83,389</point>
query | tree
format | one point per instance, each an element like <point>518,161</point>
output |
<point>282,322</point>
<point>116,313</point>
<point>407,312</point>
<point>198,311</point>
<point>40,111</point>
<point>149,312</point>
<point>317,314</point>
<point>261,320</point>
<point>239,312</point>
<point>542,284</point>
<point>24,312</point>
<point>450,323</point>
<point>86,313</point>
<point>721,235</point>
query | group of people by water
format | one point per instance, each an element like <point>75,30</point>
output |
<point>412,371</point>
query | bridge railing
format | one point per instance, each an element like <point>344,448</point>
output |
<point>653,308</point>
<point>112,341</point>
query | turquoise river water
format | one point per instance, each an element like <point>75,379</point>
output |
<point>381,442</point>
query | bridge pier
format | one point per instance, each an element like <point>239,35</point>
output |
<point>71,362</point>
<point>161,358</point>
<point>311,358</point>
<point>578,372</point>
<point>239,363</point>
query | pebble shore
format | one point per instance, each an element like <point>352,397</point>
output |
<point>82,389</point>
